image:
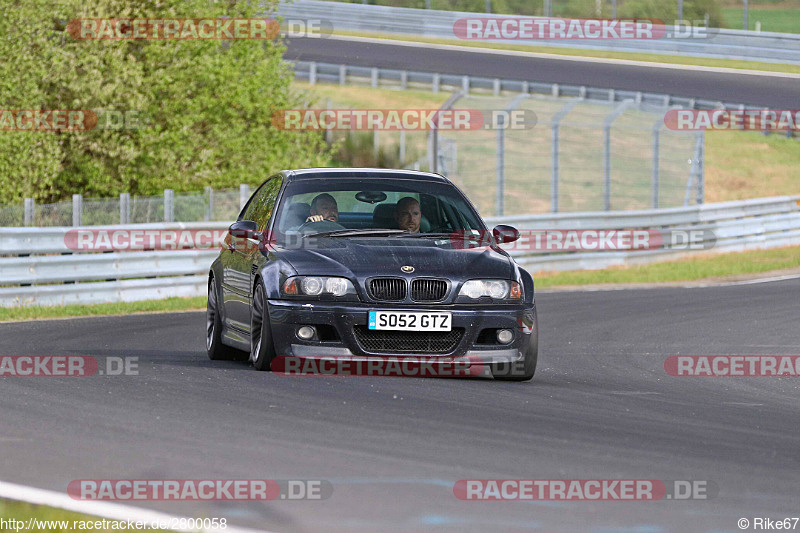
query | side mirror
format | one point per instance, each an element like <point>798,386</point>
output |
<point>245,229</point>
<point>503,233</point>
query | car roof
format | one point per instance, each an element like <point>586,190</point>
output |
<point>375,173</point>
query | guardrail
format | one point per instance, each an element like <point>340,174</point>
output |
<point>720,43</point>
<point>343,74</point>
<point>38,268</point>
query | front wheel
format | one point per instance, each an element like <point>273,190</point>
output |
<point>262,350</point>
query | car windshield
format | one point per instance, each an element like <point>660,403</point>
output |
<point>364,207</point>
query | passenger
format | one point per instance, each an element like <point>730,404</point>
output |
<point>323,207</point>
<point>407,214</point>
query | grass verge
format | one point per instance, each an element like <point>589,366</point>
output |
<point>51,520</point>
<point>122,308</point>
<point>719,267</point>
<point>583,52</point>
<point>777,19</point>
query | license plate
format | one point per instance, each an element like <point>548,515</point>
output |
<point>409,321</point>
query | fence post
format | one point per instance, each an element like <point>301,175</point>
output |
<point>374,81</point>
<point>554,167</point>
<point>328,131</point>
<point>124,208</point>
<point>501,164</point>
<point>312,73</point>
<point>701,167</point>
<point>607,151</point>
<point>656,154</point>
<point>244,194</point>
<point>342,74</point>
<point>404,79</point>
<point>437,80</point>
<point>496,87</point>
<point>77,210</point>
<point>169,205</point>
<point>209,203</point>
<point>465,84</point>
<point>29,210</point>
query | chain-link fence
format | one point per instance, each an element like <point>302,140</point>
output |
<point>564,154</point>
<point>209,205</point>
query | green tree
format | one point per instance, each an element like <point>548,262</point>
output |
<point>29,161</point>
<point>204,106</point>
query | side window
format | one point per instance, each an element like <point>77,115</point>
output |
<point>260,208</point>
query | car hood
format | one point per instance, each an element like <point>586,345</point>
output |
<point>367,257</point>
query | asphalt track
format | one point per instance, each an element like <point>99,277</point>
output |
<point>601,406</point>
<point>770,91</point>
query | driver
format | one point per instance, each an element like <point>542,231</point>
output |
<point>407,214</point>
<point>323,207</point>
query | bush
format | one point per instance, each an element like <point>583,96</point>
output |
<point>207,104</point>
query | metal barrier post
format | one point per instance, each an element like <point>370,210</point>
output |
<point>169,205</point>
<point>209,203</point>
<point>77,210</point>
<point>701,167</point>
<point>124,208</point>
<point>244,194</point>
<point>312,73</point>
<point>656,153</point>
<point>501,163</point>
<point>29,210</point>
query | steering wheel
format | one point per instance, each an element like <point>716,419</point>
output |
<point>322,225</point>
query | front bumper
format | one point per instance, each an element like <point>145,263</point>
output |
<point>287,315</point>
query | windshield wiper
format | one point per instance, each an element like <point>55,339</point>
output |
<point>355,232</point>
<point>409,235</point>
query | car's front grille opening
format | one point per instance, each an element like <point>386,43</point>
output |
<point>428,290</point>
<point>388,289</point>
<point>396,342</point>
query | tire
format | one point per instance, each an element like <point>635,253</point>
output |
<point>512,371</point>
<point>262,349</point>
<point>217,351</point>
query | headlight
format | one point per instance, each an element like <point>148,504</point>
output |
<point>496,289</point>
<point>318,286</point>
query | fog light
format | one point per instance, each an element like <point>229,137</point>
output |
<point>504,336</point>
<point>306,333</point>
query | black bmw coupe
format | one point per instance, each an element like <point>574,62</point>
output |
<point>369,263</point>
